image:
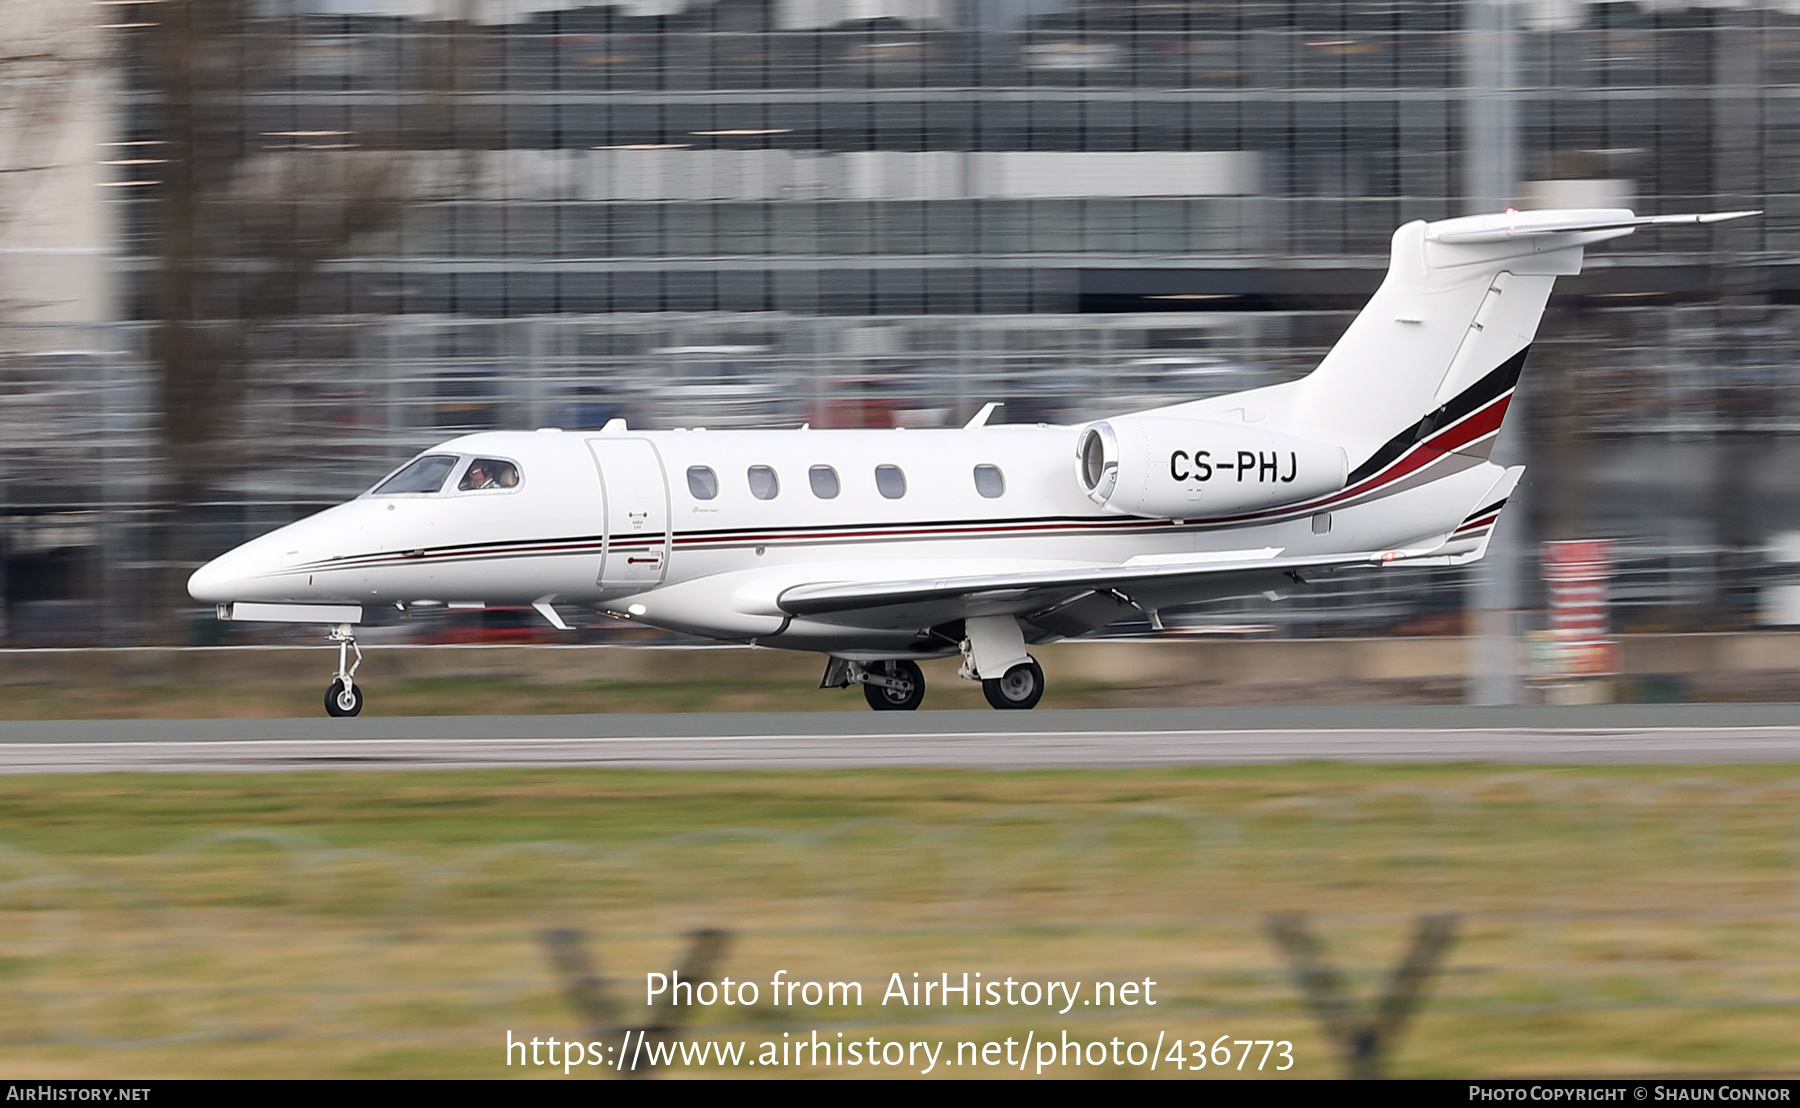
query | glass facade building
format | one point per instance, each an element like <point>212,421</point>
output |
<point>888,212</point>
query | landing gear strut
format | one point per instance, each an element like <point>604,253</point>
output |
<point>343,697</point>
<point>897,685</point>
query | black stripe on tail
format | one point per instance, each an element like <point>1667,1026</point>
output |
<point>1482,392</point>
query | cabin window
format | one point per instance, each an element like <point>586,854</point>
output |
<point>702,482</point>
<point>424,474</point>
<point>824,481</point>
<point>764,485</point>
<point>990,482</point>
<point>489,473</point>
<point>890,481</point>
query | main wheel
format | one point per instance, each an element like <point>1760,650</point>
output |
<point>1021,687</point>
<point>893,700</point>
<point>340,701</point>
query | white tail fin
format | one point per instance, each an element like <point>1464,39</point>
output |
<point>1442,341</point>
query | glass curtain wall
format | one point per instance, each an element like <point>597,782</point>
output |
<point>887,212</point>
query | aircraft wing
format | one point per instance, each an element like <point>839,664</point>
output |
<point>1061,601</point>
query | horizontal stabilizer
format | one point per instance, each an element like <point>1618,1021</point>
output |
<point>1561,221</point>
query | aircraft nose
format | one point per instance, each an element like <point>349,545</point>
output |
<point>267,568</point>
<point>215,582</point>
<point>241,573</point>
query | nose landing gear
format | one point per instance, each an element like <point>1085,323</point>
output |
<point>343,697</point>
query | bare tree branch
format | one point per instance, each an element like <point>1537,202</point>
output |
<point>242,233</point>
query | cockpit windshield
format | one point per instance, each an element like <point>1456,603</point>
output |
<point>422,474</point>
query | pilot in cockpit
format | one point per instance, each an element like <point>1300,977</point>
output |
<point>489,473</point>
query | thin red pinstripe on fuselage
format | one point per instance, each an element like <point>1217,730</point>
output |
<point>1475,426</point>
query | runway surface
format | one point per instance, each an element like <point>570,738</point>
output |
<point>1613,734</point>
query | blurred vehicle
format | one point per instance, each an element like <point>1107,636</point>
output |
<point>1073,56</point>
<point>500,624</point>
<point>726,385</point>
<point>1168,379</point>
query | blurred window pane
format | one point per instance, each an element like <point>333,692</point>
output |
<point>846,227</point>
<point>764,485</point>
<point>949,226</point>
<point>824,481</point>
<point>742,229</point>
<point>688,229</point>
<point>795,228</point>
<point>1056,226</point>
<point>637,229</point>
<point>989,481</point>
<point>1004,226</point>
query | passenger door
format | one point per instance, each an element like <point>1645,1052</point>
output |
<point>637,513</point>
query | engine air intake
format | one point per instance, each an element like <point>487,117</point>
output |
<point>1199,469</point>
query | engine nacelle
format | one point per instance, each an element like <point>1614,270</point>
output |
<point>1198,469</point>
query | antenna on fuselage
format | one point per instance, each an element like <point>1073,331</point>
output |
<point>980,419</point>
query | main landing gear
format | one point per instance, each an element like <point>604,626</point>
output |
<point>897,685</point>
<point>344,697</point>
<point>993,651</point>
<point>1022,686</point>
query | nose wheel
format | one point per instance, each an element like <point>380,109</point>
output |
<point>343,697</point>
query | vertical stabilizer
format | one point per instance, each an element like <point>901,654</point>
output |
<point>1443,340</point>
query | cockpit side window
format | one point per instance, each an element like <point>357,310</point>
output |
<point>422,474</point>
<point>489,473</point>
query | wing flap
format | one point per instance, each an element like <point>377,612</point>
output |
<point>1047,592</point>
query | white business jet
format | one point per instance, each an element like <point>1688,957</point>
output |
<point>879,548</point>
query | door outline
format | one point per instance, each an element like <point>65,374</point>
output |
<point>596,448</point>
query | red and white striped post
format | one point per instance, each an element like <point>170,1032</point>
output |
<point>1570,658</point>
<point>1577,573</point>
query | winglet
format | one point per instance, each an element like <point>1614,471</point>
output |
<point>980,418</point>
